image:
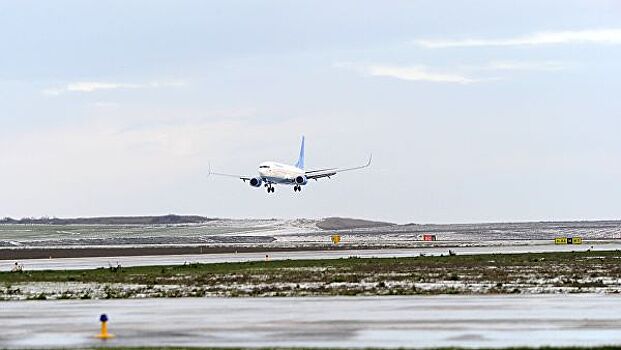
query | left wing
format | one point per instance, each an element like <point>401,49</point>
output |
<point>318,174</point>
<point>241,177</point>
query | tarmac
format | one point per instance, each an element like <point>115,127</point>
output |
<point>382,322</point>
<point>155,260</point>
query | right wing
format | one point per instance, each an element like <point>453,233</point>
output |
<point>318,174</point>
<point>244,178</point>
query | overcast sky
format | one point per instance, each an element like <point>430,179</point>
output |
<point>474,110</point>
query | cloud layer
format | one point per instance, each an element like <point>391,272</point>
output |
<point>527,66</point>
<point>92,86</point>
<point>598,36</point>
<point>458,75</point>
<point>410,72</point>
<point>419,73</point>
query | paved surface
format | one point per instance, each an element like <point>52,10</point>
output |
<point>469,321</point>
<point>95,262</point>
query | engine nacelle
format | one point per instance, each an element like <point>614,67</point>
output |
<point>301,180</point>
<point>256,182</point>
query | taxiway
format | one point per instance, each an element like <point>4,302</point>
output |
<point>156,260</point>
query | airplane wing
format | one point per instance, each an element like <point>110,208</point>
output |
<point>320,173</point>
<point>241,177</point>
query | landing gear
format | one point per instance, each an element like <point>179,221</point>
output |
<point>297,188</point>
<point>270,189</point>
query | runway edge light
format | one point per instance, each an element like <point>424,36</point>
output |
<point>104,328</point>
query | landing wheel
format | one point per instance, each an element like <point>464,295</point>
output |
<point>270,189</point>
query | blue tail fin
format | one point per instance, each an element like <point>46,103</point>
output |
<point>300,163</point>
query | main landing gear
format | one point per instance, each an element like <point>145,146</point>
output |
<point>270,189</point>
<point>297,188</point>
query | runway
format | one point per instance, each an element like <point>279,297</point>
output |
<point>96,262</point>
<point>421,322</point>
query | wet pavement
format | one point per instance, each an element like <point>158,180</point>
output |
<point>420,322</point>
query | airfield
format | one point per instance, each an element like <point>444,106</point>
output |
<point>336,322</point>
<point>268,255</point>
<point>284,283</point>
<point>299,234</point>
<point>88,246</point>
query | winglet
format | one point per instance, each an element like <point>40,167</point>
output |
<point>300,163</point>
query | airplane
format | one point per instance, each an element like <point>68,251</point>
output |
<point>272,173</point>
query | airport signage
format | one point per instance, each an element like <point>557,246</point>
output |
<point>568,240</point>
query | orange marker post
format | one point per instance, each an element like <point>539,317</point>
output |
<point>104,328</point>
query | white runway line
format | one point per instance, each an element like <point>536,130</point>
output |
<point>422,322</point>
<point>96,262</point>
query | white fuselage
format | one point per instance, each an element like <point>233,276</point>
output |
<point>279,173</point>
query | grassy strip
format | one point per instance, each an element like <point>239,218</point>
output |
<point>194,271</point>
<point>557,263</point>
<point>492,273</point>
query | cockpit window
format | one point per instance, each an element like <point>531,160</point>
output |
<point>264,166</point>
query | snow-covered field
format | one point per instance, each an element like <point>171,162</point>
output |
<point>299,232</point>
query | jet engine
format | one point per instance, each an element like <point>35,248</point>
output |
<point>256,182</point>
<point>301,180</point>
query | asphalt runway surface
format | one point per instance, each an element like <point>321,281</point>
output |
<point>96,262</point>
<point>420,322</point>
